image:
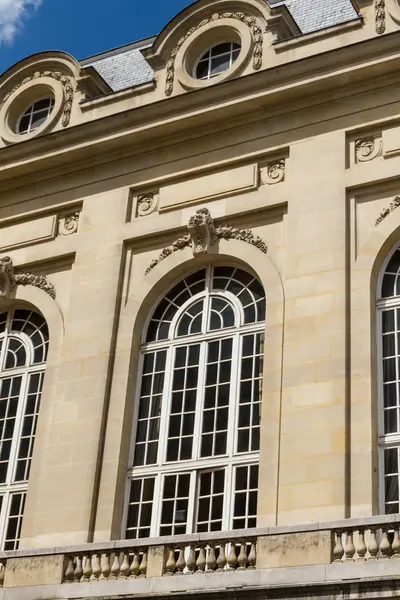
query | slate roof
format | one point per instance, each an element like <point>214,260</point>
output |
<point>126,67</point>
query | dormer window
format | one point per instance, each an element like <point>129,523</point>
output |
<point>35,115</point>
<point>216,60</point>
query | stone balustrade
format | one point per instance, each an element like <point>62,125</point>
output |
<point>367,542</point>
<point>81,568</point>
<point>325,545</point>
<point>211,557</point>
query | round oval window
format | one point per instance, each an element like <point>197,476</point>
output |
<point>216,60</point>
<point>34,116</point>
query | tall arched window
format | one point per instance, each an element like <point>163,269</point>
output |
<point>196,445</point>
<point>24,341</point>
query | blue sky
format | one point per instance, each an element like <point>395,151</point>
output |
<point>80,27</point>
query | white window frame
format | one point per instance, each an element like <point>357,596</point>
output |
<point>210,58</point>
<point>32,112</point>
<point>9,488</point>
<point>194,466</point>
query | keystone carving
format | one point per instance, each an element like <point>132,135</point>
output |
<point>368,148</point>
<point>65,81</point>
<point>9,279</point>
<point>202,234</point>
<point>250,22</point>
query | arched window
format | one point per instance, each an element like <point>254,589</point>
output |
<point>24,341</point>
<point>196,445</point>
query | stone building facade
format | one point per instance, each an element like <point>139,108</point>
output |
<point>200,309</point>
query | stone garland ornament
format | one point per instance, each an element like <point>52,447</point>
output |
<point>392,206</point>
<point>65,81</point>
<point>9,279</point>
<point>368,148</point>
<point>146,204</point>
<point>68,224</point>
<point>250,21</point>
<point>273,172</point>
<point>202,234</point>
<point>380,17</point>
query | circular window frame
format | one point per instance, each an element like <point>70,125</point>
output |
<point>194,68</point>
<point>26,95</point>
<point>21,116</point>
<point>212,34</point>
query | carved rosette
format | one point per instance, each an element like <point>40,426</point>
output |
<point>368,148</point>
<point>146,204</point>
<point>386,211</point>
<point>251,22</point>
<point>202,234</point>
<point>68,224</point>
<point>66,82</point>
<point>9,279</point>
<point>380,16</point>
<point>273,172</point>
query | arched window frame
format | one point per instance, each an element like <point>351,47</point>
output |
<point>388,442</point>
<point>196,466</point>
<point>18,414</point>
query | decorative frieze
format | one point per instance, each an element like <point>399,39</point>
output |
<point>146,204</point>
<point>249,21</point>
<point>272,172</point>
<point>68,224</point>
<point>9,279</point>
<point>367,148</point>
<point>380,16</point>
<point>202,234</point>
<point>386,211</point>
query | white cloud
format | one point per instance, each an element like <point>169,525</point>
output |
<point>12,16</point>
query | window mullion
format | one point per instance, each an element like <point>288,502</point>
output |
<point>198,423</point>
<point>17,429</point>
<point>5,507</point>
<point>165,406</point>
<point>190,523</point>
<point>234,396</point>
<point>157,503</point>
<point>229,498</point>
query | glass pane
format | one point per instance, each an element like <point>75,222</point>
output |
<point>210,503</point>
<point>140,508</point>
<point>245,496</point>
<point>175,504</point>
<point>148,423</point>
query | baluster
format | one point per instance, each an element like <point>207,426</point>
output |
<point>349,549</point>
<point>134,570</point>
<point>171,563</point>
<point>232,559</point>
<point>143,565</point>
<point>96,568</point>
<point>396,544</point>
<point>69,571</point>
<point>338,550</point>
<point>124,571</point>
<point>361,547</point>
<point>201,560</point>
<point>385,546</point>
<point>87,568</point>
<point>191,562</point>
<point>181,562</point>
<point>221,560</point>
<point>105,566</point>
<point>211,561</point>
<point>3,571</point>
<point>373,544</point>
<point>78,572</point>
<point>242,558</point>
<point>115,567</point>
<point>252,556</point>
